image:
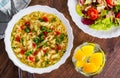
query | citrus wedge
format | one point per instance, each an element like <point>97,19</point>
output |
<point>97,58</point>
<point>79,64</point>
<point>89,68</point>
<point>79,55</point>
<point>88,50</point>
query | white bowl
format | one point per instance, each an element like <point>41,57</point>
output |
<point>114,32</point>
<point>19,15</point>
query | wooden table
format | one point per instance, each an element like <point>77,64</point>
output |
<point>110,46</point>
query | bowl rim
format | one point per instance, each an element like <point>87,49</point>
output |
<point>19,15</point>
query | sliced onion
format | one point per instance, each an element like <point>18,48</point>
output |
<point>87,21</point>
<point>81,2</point>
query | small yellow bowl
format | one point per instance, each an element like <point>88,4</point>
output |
<point>89,59</point>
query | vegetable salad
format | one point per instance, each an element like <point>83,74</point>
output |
<point>99,14</point>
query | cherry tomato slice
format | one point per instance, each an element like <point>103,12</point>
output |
<point>92,13</point>
<point>110,2</point>
<point>118,15</point>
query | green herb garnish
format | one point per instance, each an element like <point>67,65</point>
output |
<point>21,40</point>
<point>60,39</point>
<point>36,40</point>
<point>29,52</point>
<point>53,19</point>
<point>41,37</point>
<point>27,29</point>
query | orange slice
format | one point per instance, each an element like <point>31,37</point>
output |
<point>89,68</point>
<point>79,55</point>
<point>79,64</point>
<point>88,50</point>
<point>97,58</point>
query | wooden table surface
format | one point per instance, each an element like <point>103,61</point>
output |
<point>110,46</point>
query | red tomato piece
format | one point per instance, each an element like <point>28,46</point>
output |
<point>44,51</point>
<point>110,2</point>
<point>52,48</point>
<point>57,33</point>
<point>33,44</point>
<point>45,19</point>
<point>27,23</point>
<point>22,51</point>
<point>92,13</point>
<point>58,47</point>
<point>45,37</point>
<point>32,59</point>
<point>53,28</point>
<point>30,32</point>
<point>118,15</point>
<point>18,38</point>
<point>45,33</point>
<point>22,27</point>
<point>35,53</point>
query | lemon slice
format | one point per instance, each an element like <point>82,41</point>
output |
<point>88,50</point>
<point>97,58</point>
<point>79,55</point>
<point>90,68</point>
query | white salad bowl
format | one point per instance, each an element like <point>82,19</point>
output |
<point>113,32</point>
<point>9,29</point>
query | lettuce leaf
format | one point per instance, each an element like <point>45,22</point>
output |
<point>117,8</point>
<point>117,22</point>
<point>102,24</point>
<point>117,2</point>
<point>79,10</point>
